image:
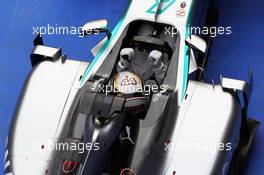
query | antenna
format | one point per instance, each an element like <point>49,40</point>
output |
<point>213,83</point>
<point>158,10</point>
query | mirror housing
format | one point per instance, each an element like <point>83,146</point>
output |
<point>95,27</point>
<point>197,43</point>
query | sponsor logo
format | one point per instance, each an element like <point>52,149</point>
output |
<point>180,13</point>
<point>166,4</point>
<point>127,171</point>
<point>128,135</point>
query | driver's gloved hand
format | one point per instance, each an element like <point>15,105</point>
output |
<point>126,56</point>
<point>158,67</point>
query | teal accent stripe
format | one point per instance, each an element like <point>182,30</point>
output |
<point>186,58</point>
<point>98,56</point>
<point>151,9</point>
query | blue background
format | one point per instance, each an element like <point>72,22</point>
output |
<point>230,55</point>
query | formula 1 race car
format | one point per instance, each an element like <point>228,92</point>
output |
<point>136,108</point>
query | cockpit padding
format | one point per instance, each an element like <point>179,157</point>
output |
<point>151,43</point>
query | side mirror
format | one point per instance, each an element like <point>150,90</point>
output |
<point>96,27</point>
<point>197,43</point>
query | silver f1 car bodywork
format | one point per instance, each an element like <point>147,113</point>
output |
<point>186,127</point>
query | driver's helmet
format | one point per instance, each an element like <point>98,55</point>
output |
<point>127,83</point>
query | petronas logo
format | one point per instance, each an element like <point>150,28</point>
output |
<point>166,4</point>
